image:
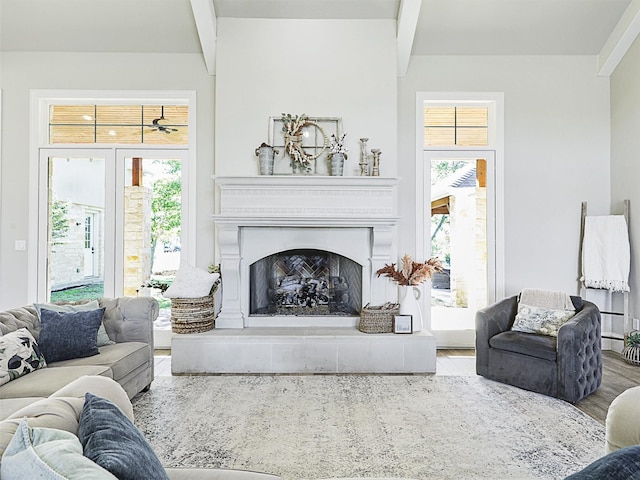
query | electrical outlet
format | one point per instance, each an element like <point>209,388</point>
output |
<point>20,245</point>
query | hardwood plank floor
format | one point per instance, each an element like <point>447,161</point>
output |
<point>617,376</point>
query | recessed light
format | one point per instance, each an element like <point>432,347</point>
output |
<point>87,117</point>
<point>112,133</point>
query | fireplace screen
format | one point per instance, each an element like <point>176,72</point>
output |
<point>305,282</point>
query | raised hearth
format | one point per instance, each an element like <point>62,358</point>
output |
<point>302,350</point>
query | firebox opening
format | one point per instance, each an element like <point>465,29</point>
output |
<point>305,282</point>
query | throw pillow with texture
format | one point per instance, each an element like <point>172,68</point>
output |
<point>69,335</point>
<point>19,355</point>
<point>102,339</point>
<point>191,282</point>
<point>47,453</point>
<point>111,440</point>
<point>544,321</point>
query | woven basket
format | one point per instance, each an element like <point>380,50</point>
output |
<point>193,315</point>
<point>631,353</point>
<point>378,319</point>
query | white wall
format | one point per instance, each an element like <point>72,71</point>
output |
<point>625,155</point>
<point>322,68</point>
<point>556,126</point>
<point>556,154</point>
<point>22,72</point>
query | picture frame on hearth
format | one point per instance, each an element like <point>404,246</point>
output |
<point>315,141</point>
<point>402,323</point>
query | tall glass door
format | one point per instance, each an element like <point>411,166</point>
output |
<point>76,228</point>
<point>111,221</point>
<point>153,217</point>
<point>460,225</point>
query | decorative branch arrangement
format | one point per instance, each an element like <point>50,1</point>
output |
<point>337,145</point>
<point>411,273</point>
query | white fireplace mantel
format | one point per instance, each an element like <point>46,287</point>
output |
<point>304,209</point>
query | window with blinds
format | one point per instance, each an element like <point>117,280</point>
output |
<point>453,126</point>
<point>119,124</point>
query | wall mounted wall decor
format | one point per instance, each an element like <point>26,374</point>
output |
<point>304,141</point>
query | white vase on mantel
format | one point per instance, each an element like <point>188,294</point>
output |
<point>408,299</point>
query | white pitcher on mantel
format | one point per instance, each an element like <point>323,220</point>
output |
<point>408,299</point>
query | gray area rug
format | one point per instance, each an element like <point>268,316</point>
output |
<point>422,427</point>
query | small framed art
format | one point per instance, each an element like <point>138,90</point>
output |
<point>402,323</point>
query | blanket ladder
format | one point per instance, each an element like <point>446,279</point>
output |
<point>624,314</point>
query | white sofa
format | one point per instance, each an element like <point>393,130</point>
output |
<point>62,409</point>
<point>129,361</point>
<point>623,421</point>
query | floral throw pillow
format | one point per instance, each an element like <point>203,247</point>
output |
<point>19,355</point>
<point>544,321</point>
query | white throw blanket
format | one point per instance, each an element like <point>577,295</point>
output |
<point>546,299</point>
<point>606,256</point>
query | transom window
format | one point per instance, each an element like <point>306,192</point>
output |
<point>456,126</point>
<point>119,124</point>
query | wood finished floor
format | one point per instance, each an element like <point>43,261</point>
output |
<point>617,376</point>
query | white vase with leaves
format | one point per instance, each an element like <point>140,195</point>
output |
<point>408,297</point>
<point>409,276</point>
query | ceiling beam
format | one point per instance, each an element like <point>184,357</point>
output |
<point>620,40</point>
<point>204,14</point>
<point>408,14</point>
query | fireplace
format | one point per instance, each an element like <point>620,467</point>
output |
<point>272,230</point>
<point>305,282</point>
<point>294,242</point>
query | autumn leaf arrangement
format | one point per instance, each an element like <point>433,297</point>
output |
<point>410,272</point>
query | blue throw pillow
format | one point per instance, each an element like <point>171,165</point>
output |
<point>69,335</point>
<point>112,441</point>
<point>103,336</point>
<point>623,464</point>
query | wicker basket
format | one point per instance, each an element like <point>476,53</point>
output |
<point>193,315</point>
<point>631,353</point>
<point>378,319</point>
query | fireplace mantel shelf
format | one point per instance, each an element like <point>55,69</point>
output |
<point>303,220</point>
<point>305,180</point>
<point>306,201</point>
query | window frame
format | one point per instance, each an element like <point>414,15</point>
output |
<point>41,100</point>
<point>495,102</point>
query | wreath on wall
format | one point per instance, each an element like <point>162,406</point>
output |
<point>293,130</point>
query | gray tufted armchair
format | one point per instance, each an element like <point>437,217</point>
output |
<point>568,366</point>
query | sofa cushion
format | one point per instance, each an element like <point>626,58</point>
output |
<point>539,346</point>
<point>48,453</point>
<point>623,420</point>
<point>65,335</point>
<point>8,406</point>
<point>111,440</point>
<point>122,358</point>
<point>19,355</point>
<point>63,408</point>
<point>102,338</point>
<point>15,318</point>
<point>59,413</point>
<point>183,473</point>
<point>46,381</point>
